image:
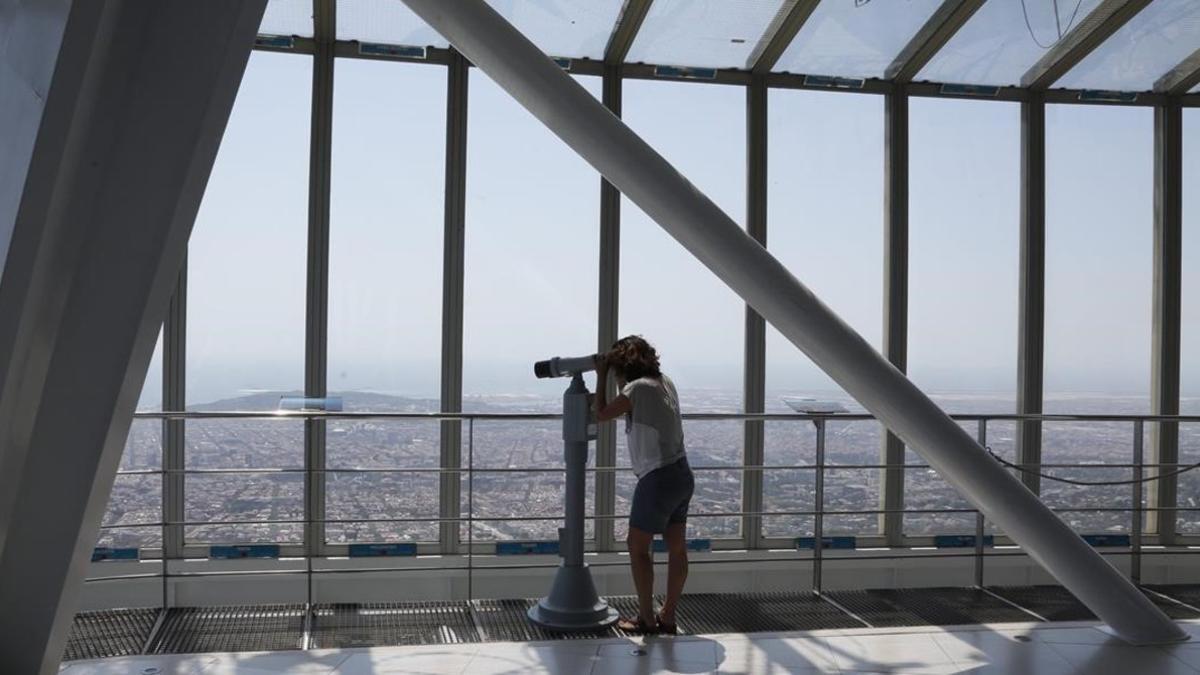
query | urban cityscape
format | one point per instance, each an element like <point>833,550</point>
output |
<point>382,478</point>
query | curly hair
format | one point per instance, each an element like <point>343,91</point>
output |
<point>632,357</point>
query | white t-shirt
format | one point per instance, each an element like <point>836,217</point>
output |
<point>654,428</point>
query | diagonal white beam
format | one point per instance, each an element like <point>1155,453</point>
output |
<point>643,175</point>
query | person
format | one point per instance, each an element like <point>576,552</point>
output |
<point>654,430</point>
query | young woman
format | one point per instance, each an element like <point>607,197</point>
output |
<point>654,431</point>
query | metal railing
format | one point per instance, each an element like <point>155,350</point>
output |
<point>817,557</point>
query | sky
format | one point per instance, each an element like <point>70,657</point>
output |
<point>532,237</point>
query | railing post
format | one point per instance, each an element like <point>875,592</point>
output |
<point>173,430</point>
<point>819,507</point>
<point>470,509</point>
<point>982,437</point>
<point>1135,530</point>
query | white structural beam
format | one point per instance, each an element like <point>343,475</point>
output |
<point>644,176</point>
<point>111,114</point>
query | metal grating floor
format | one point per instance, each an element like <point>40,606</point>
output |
<point>1054,603</point>
<point>927,606</point>
<point>758,612</point>
<point>505,620</point>
<point>189,630</point>
<point>112,632</point>
<point>281,627</point>
<point>385,624</point>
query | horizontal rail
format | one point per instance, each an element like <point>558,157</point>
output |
<point>724,558</point>
<point>604,469</point>
<point>699,417</point>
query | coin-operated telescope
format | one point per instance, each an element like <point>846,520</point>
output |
<point>573,604</point>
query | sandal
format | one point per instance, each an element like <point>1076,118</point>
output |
<point>666,628</point>
<point>636,625</point>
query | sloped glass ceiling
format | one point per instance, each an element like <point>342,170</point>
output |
<point>855,38</point>
<point>1147,47</point>
<point>387,21</point>
<point>1003,40</point>
<point>570,28</point>
<point>288,17</point>
<point>703,33</point>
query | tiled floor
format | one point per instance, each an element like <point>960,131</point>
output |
<point>1017,649</point>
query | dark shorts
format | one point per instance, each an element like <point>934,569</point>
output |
<point>661,497</point>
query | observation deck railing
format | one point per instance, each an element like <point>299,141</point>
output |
<point>465,562</point>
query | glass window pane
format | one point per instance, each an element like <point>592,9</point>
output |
<point>246,257</point>
<point>530,294</point>
<point>855,39</point>
<point>703,33</point>
<point>1143,50</point>
<point>386,232</point>
<point>825,215</point>
<point>1189,381</point>
<point>825,223</point>
<point>246,447</point>
<point>671,299</point>
<point>571,28</point>
<point>1099,209</point>
<point>137,498</point>
<point>1003,40</point>
<point>500,497</point>
<point>542,211</point>
<point>1190,356</point>
<point>964,226</point>
<point>386,21</point>
<point>355,497</point>
<point>288,17</point>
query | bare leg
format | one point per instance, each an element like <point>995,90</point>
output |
<point>677,568</point>
<point>642,565</point>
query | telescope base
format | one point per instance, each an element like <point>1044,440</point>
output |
<point>572,604</point>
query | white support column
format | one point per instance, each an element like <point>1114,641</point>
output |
<point>643,175</point>
<point>111,116</point>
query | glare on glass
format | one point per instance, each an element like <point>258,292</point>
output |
<point>385,21</point>
<point>287,17</point>
<point>1147,47</point>
<point>855,39</point>
<point>570,28</point>
<point>704,33</point>
<point>1003,40</point>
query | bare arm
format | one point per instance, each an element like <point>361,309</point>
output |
<point>608,410</point>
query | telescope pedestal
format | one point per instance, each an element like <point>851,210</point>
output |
<point>573,604</point>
